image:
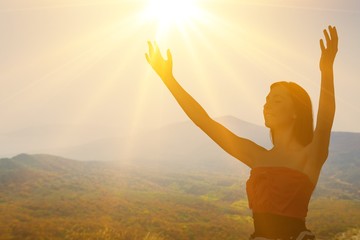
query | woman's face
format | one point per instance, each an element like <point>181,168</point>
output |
<point>279,108</point>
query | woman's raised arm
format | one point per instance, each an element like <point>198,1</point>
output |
<point>243,149</point>
<point>326,111</point>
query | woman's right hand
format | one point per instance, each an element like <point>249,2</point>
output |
<point>161,66</point>
<point>328,53</point>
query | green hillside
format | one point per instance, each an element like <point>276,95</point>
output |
<point>47,197</point>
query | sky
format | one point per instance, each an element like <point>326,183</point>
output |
<point>82,62</point>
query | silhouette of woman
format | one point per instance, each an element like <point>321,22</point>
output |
<point>283,178</point>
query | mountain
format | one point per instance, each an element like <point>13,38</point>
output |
<point>184,147</point>
<point>25,167</point>
<point>341,170</point>
<point>178,144</point>
<point>50,138</point>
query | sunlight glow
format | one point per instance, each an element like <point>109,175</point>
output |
<point>168,13</point>
<point>172,10</point>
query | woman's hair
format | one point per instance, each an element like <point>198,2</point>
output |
<point>303,128</point>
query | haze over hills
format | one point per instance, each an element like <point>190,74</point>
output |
<point>47,138</point>
<point>173,145</point>
<point>174,141</point>
<point>182,146</point>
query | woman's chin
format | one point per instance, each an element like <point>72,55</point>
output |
<point>268,124</point>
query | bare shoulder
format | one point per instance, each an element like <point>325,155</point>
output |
<point>301,160</point>
<point>261,157</point>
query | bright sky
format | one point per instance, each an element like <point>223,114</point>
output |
<point>82,61</point>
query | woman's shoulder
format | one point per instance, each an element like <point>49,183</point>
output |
<point>275,157</point>
<point>299,160</point>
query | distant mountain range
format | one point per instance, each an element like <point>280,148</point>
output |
<point>168,143</point>
<point>179,144</point>
<point>184,147</point>
<point>185,140</point>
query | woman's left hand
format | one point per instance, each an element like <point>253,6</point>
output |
<point>328,53</point>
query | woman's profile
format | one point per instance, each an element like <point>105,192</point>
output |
<point>283,178</point>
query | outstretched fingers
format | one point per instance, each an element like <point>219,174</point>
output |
<point>156,46</point>
<point>333,33</point>
<point>153,52</point>
<point>154,55</point>
<point>327,37</point>
<point>331,38</point>
<point>334,37</point>
<point>157,52</point>
<point>322,46</point>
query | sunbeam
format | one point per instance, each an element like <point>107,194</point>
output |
<point>226,53</point>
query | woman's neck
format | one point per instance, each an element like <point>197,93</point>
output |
<point>284,140</point>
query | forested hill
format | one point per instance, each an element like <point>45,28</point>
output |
<point>47,197</point>
<point>171,183</point>
<point>44,196</point>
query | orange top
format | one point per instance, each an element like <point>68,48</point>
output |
<point>279,190</point>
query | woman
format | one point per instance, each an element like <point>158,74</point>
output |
<point>283,178</point>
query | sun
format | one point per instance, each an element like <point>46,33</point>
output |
<point>168,13</point>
